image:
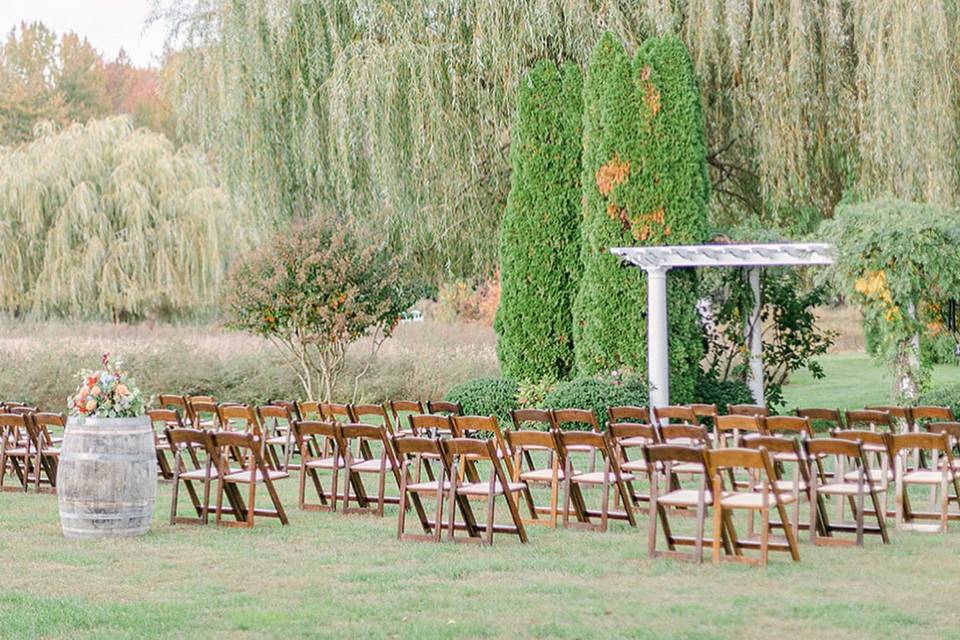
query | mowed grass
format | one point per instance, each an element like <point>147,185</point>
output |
<point>330,575</point>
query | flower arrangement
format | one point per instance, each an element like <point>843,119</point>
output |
<point>107,393</point>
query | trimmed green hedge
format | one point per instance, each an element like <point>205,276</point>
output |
<point>644,183</point>
<point>946,396</point>
<point>540,233</point>
<point>486,397</point>
<point>598,395</point>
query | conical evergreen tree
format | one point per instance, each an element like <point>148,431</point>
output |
<point>540,233</point>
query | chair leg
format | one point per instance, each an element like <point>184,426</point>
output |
<point>764,535</point>
<point>491,509</point>
<point>717,519</point>
<point>652,515</point>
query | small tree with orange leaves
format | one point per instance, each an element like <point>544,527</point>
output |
<point>313,290</point>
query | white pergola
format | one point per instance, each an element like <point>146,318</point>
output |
<point>656,261</point>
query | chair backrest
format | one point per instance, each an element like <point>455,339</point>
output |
<point>869,418</point>
<point>870,438</point>
<point>13,425</point>
<point>317,428</point>
<point>951,428</point>
<point>165,418</point>
<point>819,417</point>
<point>372,414</point>
<point>431,425</point>
<point>543,418</point>
<point>629,414</point>
<point>789,425</point>
<point>747,410</point>
<point>245,443</point>
<point>309,410</point>
<point>289,405</point>
<point>175,402</point>
<point>668,454</point>
<point>181,437</point>
<point>773,444</point>
<point>203,413</point>
<point>412,445</point>
<point>273,416</point>
<point>735,424</point>
<point>527,440</point>
<point>681,413</point>
<point>704,410</point>
<point>46,421</point>
<point>336,411</point>
<point>926,413</point>
<point>443,406</point>
<point>354,431</point>
<point>403,409</point>
<point>592,439</point>
<point>684,434</point>
<point>22,410</point>
<point>584,417</point>
<point>901,414</point>
<point>480,427</point>
<point>834,447</point>
<point>239,417</point>
<point>739,458</point>
<point>619,431</point>
<point>921,441</point>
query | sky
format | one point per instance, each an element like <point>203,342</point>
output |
<point>108,24</point>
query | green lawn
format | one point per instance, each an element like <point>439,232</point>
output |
<point>329,575</point>
<point>853,380</point>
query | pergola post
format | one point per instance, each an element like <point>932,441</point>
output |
<point>658,348</point>
<point>753,335</point>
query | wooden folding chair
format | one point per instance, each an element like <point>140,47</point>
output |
<point>276,422</point>
<point>409,450</point>
<point>47,446</point>
<point>429,425</point>
<point>846,454</point>
<point>660,460</point>
<point>759,465</point>
<point>373,414</point>
<point>177,403</point>
<point>629,414</point>
<point>747,410</point>
<point>311,464</point>
<point>727,429</point>
<point>625,436</point>
<point>578,419</point>
<point>793,480</point>
<point>869,420</point>
<point>689,435</point>
<point>462,451</point>
<point>821,419</point>
<point>611,475</point>
<point>936,470</point>
<point>381,465</point>
<point>336,411</point>
<point>253,473</point>
<point>880,472</point>
<point>521,444</point>
<point>443,407</point>
<point>16,449</point>
<point>401,410</point>
<point>161,420</point>
<point>204,413</point>
<point>309,410</point>
<point>191,440</point>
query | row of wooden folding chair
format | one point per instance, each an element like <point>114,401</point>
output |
<point>28,447</point>
<point>218,447</point>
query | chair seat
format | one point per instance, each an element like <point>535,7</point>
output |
<point>684,498</point>
<point>581,448</point>
<point>280,440</point>
<point>846,489</point>
<point>875,475</point>
<point>541,475</point>
<point>244,476</point>
<point>325,463</point>
<point>636,441</point>
<point>17,452</point>
<point>634,465</point>
<point>687,467</point>
<point>597,477</point>
<point>371,466</point>
<point>924,476</point>
<point>786,457</point>
<point>754,500</point>
<point>483,488</point>
<point>430,485</point>
<point>875,448</point>
<point>785,486</point>
<point>50,451</point>
<point>199,474</point>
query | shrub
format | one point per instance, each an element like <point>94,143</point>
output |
<point>939,348</point>
<point>710,390</point>
<point>945,396</point>
<point>486,397</point>
<point>598,395</point>
<point>645,183</point>
<point>540,233</point>
<point>313,290</point>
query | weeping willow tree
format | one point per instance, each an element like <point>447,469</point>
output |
<point>105,220</point>
<point>398,113</point>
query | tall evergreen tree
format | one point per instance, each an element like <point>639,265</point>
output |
<point>645,183</point>
<point>540,234</point>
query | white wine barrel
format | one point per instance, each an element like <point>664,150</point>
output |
<point>107,477</point>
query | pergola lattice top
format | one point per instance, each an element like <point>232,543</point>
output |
<point>727,255</point>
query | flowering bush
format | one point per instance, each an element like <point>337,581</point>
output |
<point>107,393</point>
